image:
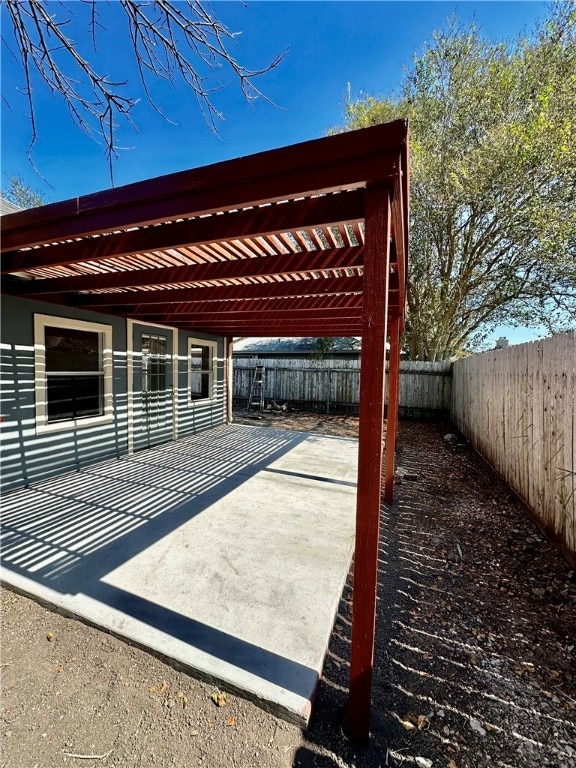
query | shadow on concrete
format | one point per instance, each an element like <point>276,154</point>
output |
<point>70,532</point>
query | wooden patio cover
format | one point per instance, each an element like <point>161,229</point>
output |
<point>307,240</point>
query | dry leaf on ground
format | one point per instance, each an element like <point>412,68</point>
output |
<point>219,698</point>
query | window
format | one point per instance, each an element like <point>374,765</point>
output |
<point>73,372</point>
<point>154,356</point>
<point>201,365</point>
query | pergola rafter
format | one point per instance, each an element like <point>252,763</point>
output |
<point>267,305</point>
<point>268,220</point>
<point>307,240</point>
<point>232,269</point>
<point>308,286</point>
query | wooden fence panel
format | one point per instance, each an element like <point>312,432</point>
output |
<point>425,386</point>
<point>517,408</point>
<point>334,385</point>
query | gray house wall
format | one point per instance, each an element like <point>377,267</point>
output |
<point>27,456</point>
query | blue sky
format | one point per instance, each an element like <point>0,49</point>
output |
<point>328,44</point>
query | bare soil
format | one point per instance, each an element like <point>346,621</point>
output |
<point>320,423</point>
<point>474,663</point>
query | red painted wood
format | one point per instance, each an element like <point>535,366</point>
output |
<point>220,293</point>
<point>349,161</point>
<point>330,163</point>
<point>299,214</point>
<point>332,331</point>
<point>261,306</point>
<point>278,330</point>
<point>393,402</point>
<point>406,214</point>
<point>338,258</point>
<point>277,324</point>
<point>376,275</point>
<point>400,225</point>
<point>352,313</point>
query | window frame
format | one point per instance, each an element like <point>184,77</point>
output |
<point>212,371</point>
<point>41,322</point>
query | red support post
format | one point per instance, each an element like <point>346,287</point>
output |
<point>393,401</point>
<point>372,379</point>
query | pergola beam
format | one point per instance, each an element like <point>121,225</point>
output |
<point>328,322</point>
<point>292,329</point>
<point>328,164</point>
<point>400,241</point>
<point>223,326</point>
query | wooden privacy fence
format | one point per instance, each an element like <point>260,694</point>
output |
<point>517,407</point>
<point>333,386</point>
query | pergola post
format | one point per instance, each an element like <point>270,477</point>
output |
<point>372,379</point>
<point>393,402</point>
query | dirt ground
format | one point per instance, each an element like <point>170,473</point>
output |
<point>474,664</point>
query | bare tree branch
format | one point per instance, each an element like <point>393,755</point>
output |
<point>180,41</point>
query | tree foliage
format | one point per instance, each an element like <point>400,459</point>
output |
<point>493,183</point>
<point>327,345</point>
<point>22,195</point>
<point>179,41</point>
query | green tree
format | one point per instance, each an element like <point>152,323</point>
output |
<point>493,183</point>
<point>22,195</point>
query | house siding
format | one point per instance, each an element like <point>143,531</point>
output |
<point>28,456</point>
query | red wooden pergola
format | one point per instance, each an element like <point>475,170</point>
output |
<point>307,240</point>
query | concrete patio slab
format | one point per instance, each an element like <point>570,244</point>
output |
<point>225,552</point>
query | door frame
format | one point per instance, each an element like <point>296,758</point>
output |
<point>131,326</point>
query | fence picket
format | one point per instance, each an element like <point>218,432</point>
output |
<point>334,385</point>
